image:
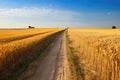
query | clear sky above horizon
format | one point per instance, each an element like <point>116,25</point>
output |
<point>59,13</point>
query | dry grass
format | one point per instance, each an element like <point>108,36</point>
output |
<point>19,53</point>
<point>97,51</point>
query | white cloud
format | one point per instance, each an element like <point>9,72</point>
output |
<point>39,12</point>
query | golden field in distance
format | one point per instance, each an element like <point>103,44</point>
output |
<point>8,35</point>
<point>97,52</point>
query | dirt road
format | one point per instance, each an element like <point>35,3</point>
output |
<point>54,66</point>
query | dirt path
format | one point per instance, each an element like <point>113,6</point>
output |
<point>55,65</point>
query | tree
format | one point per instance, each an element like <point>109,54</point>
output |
<point>113,27</point>
<point>30,27</point>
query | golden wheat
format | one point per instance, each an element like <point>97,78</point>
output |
<point>11,35</point>
<point>18,51</point>
<point>98,52</point>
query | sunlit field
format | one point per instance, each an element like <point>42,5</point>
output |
<point>17,34</point>
<point>19,47</point>
<point>97,52</point>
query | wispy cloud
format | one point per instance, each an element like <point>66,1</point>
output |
<point>39,12</point>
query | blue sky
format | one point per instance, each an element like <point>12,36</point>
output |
<point>59,13</point>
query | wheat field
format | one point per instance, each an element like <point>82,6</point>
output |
<point>97,52</point>
<point>17,34</point>
<point>19,47</point>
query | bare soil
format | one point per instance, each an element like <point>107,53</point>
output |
<point>54,66</point>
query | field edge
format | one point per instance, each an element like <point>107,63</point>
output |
<point>76,71</point>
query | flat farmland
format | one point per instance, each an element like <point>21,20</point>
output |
<point>96,53</point>
<point>19,47</point>
<point>60,54</point>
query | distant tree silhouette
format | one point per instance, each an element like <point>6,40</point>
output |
<point>113,27</point>
<point>30,27</point>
